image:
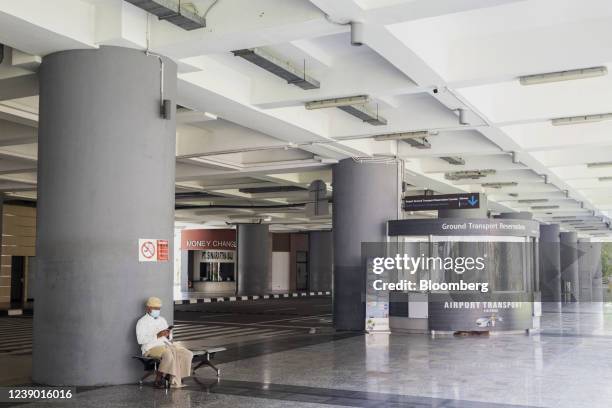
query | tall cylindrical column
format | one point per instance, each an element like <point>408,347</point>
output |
<point>586,269</point>
<point>105,179</point>
<point>597,284</point>
<point>253,261</point>
<point>366,196</point>
<point>569,266</point>
<point>320,262</point>
<point>550,266</point>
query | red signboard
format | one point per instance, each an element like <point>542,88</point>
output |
<point>162,250</point>
<point>206,239</point>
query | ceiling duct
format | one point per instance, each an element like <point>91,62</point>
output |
<point>271,189</point>
<point>468,174</point>
<point>279,68</point>
<point>454,160</point>
<point>172,12</point>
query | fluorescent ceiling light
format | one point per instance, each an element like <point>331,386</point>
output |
<point>575,120</point>
<point>454,160</point>
<point>325,160</point>
<point>337,102</point>
<point>419,143</point>
<point>563,76</point>
<point>500,184</point>
<point>365,114</point>
<point>544,207</point>
<point>278,67</point>
<point>533,200</point>
<point>599,164</point>
<point>403,135</point>
<point>469,174</point>
<point>172,12</point>
<point>211,115</point>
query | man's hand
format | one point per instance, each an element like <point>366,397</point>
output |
<point>163,333</point>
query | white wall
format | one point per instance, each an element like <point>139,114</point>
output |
<point>280,271</point>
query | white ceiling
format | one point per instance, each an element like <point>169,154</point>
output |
<point>470,51</point>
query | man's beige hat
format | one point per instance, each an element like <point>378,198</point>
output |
<point>154,302</point>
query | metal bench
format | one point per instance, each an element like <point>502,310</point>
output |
<point>201,357</point>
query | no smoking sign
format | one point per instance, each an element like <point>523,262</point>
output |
<point>152,250</point>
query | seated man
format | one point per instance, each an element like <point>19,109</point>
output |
<point>155,338</point>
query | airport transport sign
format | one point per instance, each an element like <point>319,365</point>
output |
<point>462,201</point>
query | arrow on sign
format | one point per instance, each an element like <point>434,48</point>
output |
<point>472,201</point>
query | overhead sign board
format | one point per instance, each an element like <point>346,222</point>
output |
<point>460,227</point>
<point>208,239</point>
<point>463,201</point>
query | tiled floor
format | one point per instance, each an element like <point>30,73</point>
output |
<point>569,364</point>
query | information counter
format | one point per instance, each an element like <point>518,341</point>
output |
<point>503,264</point>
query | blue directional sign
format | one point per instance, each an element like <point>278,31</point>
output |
<point>442,202</point>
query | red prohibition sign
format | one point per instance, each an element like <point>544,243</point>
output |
<point>147,249</point>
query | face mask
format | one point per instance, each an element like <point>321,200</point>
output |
<point>154,313</point>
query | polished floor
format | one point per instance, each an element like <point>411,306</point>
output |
<point>568,364</point>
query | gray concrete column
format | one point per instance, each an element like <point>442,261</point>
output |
<point>480,212</point>
<point>570,286</point>
<point>597,284</point>
<point>366,196</point>
<point>586,269</point>
<point>320,261</point>
<point>550,266</point>
<point>184,270</point>
<point>106,162</point>
<point>253,259</point>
